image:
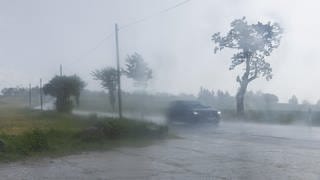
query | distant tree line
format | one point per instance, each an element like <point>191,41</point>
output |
<point>223,99</point>
<point>217,98</point>
<point>19,91</point>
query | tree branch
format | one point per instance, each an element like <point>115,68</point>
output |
<point>255,75</point>
<point>239,80</point>
<point>246,74</point>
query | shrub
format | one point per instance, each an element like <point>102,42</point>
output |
<point>113,129</point>
<point>91,134</point>
<point>131,129</point>
<point>34,141</point>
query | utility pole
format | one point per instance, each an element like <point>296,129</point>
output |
<point>118,71</point>
<point>41,98</point>
<point>60,69</point>
<point>29,95</point>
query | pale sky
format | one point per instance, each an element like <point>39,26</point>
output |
<point>38,35</point>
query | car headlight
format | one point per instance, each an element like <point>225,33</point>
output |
<point>195,113</point>
<point>219,112</point>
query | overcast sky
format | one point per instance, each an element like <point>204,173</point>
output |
<point>38,35</point>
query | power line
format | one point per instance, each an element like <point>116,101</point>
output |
<point>154,15</point>
<point>127,26</point>
<point>92,49</point>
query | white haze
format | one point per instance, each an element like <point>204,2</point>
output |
<point>38,35</point>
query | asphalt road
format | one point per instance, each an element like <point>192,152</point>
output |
<point>205,152</point>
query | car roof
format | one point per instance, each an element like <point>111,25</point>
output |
<point>186,102</point>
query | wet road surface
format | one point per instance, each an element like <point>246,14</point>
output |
<point>230,151</point>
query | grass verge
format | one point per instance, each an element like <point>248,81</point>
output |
<point>28,133</point>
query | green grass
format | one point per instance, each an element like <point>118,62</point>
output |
<point>30,133</point>
<point>16,121</point>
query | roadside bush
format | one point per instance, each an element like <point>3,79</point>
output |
<point>113,129</point>
<point>132,129</point>
<point>33,141</point>
<point>25,133</point>
<point>91,134</point>
<point>25,143</point>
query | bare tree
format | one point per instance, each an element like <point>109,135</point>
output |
<point>253,42</point>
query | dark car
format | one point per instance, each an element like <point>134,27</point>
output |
<point>192,111</point>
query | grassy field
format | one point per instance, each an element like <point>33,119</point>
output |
<point>157,104</point>
<point>31,133</point>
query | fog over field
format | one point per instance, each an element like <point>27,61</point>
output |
<point>36,36</point>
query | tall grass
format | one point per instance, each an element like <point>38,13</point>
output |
<point>28,133</point>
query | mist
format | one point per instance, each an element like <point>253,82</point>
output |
<point>38,36</point>
<point>123,89</point>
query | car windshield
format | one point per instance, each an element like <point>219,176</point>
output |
<point>195,105</point>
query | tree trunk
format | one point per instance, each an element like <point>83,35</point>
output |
<point>78,100</point>
<point>240,98</point>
